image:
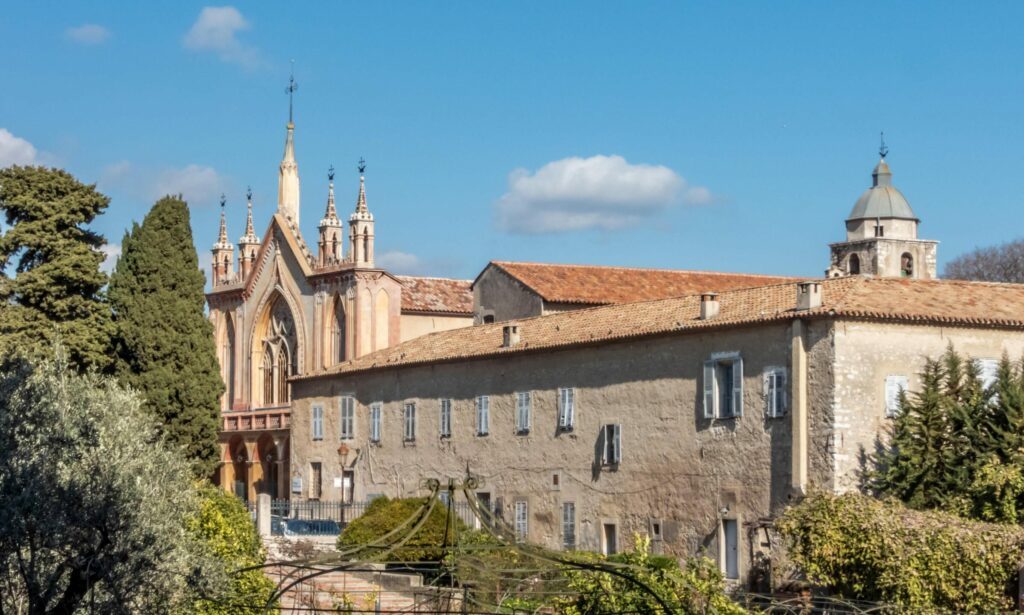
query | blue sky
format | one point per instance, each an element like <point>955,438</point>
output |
<point>725,136</point>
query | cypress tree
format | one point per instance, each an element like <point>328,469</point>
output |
<point>57,287</point>
<point>164,343</point>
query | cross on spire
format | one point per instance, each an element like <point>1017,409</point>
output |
<point>290,90</point>
<point>883,151</point>
<point>362,165</point>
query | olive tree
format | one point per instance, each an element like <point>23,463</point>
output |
<point>93,509</point>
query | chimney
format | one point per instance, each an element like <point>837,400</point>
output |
<point>808,295</point>
<point>510,336</point>
<point>708,306</point>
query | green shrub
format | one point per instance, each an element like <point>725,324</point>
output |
<point>868,549</point>
<point>225,532</point>
<point>384,514</point>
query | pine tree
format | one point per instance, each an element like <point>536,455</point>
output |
<point>57,288</point>
<point>164,343</point>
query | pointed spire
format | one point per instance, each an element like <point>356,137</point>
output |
<point>361,209</point>
<point>331,213</point>
<point>288,177</point>
<point>222,238</point>
<point>249,238</point>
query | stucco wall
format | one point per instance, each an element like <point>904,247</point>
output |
<point>677,467</point>
<point>497,294</point>
<point>415,325</point>
<point>866,353</point>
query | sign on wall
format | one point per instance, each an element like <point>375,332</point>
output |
<point>296,484</point>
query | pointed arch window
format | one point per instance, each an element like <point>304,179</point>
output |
<point>279,355</point>
<point>338,331</point>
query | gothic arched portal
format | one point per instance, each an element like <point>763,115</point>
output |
<point>275,353</point>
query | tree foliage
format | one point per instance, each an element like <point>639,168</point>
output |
<point>384,515</point>
<point>697,587</point>
<point>92,508</point>
<point>164,343</point>
<point>57,287</point>
<point>956,445</point>
<point>1002,263</point>
<point>222,525</point>
<point>924,561</point>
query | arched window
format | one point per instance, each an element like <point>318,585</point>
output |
<point>279,360</point>
<point>338,331</point>
<point>854,266</point>
<point>229,363</point>
<point>907,265</point>
<point>268,376</point>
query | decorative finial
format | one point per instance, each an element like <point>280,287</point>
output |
<point>330,173</point>
<point>883,151</point>
<point>290,90</point>
<point>248,193</point>
<point>223,201</point>
<point>362,165</point>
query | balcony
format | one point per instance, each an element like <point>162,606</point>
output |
<point>257,419</point>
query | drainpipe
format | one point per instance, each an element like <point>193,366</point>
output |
<point>798,393</point>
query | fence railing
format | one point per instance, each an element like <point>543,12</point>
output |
<point>320,518</point>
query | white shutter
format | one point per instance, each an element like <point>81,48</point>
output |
<point>893,386</point>
<point>737,387</point>
<point>318,423</point>
<point>709,389</point>
<point>566,408</point>
<point>375,422</point>
<point>603,444</point>
<point>616,443</point>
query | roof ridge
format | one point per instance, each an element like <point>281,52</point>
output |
<point>432,277</point>
<point>660,270</point>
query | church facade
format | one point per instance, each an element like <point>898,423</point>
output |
<point>288,310</point>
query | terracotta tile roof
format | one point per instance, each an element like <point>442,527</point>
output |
<point>441,295</point>
<point>597,285</point>
<point>940,302</point>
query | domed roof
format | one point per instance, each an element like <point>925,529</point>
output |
<point>882,200</point>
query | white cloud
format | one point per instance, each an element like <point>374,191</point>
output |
<point>216,30</point>
<point>15,150</point>
<point>87,34</point>
<point>599,192</point>
<point>113,252</point>
<point>198,184</point>
<point>401,263</point>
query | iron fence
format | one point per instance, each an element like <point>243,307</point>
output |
<point>325,518</point>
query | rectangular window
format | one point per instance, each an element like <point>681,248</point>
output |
<point>611,445</point>
<point>730,549</point>
<point>893,386</point>
<point>775,392</point>
<point>316,484</point>
<point>483,415</point>
<point>988,372</point>
<point>410,422</point>
<point>568,525</point>
<point>523,403</point>
<point>522,521</point>
<point>723,387</point>
<point>375,422</point>
<point>348,418</point>
<point>566,409</point>
<point>611,542</point>
<point>318,422</point>
<point>446,418</point>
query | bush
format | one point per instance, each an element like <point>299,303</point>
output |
<point>224,530</point>
<point>868,549</point>
<point>384,514</point>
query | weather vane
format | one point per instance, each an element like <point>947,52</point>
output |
<point>883,150</point>
<point>292,86</point>
<point>248,193</point>
<point>330,173</point>
<point>362,165</point>
<point>223,200</point>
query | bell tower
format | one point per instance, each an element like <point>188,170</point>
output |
<point>223,252</point>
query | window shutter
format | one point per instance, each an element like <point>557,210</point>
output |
<point>709,389</point>
<point>571,412</point>
<point>603,444</point>
<point>737,387</point>
<point>616,443</point>
<point>781,393</point>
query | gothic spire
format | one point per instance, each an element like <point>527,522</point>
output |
<point>288,177</point>
<point>250,237</point>
<point>361,207</point>
<point>222,238</point>
<point>332,213</point>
